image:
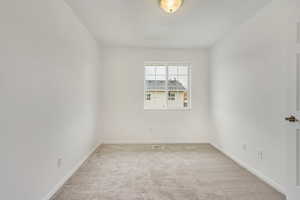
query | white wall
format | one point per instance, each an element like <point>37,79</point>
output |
<point>48,96</point>
<point>247,79</point>
<point>124,118</point>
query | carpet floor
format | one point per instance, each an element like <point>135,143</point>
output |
<point>170,172</point>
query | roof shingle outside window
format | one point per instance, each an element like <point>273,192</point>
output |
<point>160,85</point>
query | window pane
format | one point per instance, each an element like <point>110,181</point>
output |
<point>178,96</point>
<point>155,72</point>
<point>161,70</point>
<point>172,70</point>
<point>157,100</point>
<point>150,70</point>
<point>183,70</point>
<point>150,77</point>
<point>161,93</point>
<point>183,80</point>
<point>161,77</point>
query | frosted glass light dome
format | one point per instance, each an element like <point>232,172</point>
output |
<point>170,6</point>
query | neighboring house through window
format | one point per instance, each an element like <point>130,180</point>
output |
<point>167,86</point>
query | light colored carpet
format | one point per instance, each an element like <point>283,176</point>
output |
<point>177,172</point>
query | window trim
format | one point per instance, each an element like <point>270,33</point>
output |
<point>167,64</point>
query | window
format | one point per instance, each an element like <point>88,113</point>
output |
<point>148,97</point>
<point>171,96</point>
<point>167,86</point>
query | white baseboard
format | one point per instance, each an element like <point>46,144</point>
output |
<point>152,142</point>
<point>254,171</point>
<point>69,174</point>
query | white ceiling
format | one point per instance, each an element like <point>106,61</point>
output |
<point>141,23</point>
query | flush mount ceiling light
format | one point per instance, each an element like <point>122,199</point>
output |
<point>170,6</point>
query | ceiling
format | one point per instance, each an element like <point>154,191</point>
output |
<point>141,23</point>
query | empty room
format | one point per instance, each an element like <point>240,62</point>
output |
<point>150,100</point>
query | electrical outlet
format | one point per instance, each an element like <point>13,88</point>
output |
<point>245,147</point>
<point>260,155</point>
<point>59,162</point>
<point>150,130</point>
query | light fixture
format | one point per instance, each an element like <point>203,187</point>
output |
<point>170,6</point>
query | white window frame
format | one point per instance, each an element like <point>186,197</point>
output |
<point>167,64</point>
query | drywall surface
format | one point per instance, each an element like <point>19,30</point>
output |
<point>123,116</point>
<point>247,79</point>
<point>48,63</point>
